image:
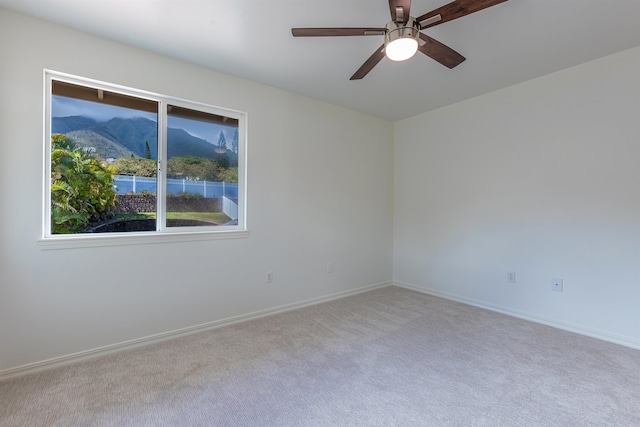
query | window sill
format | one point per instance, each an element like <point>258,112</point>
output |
<point>122,239</point>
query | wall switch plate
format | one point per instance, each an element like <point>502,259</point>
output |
<point>511,276</point>
<point>556,284</point>
<point>269,277</point>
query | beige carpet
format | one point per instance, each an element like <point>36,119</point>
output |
<point>388,357</point>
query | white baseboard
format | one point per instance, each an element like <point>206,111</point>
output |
<point>554,323</point>
<point>82,356</point>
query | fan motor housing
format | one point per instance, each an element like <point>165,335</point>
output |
<point>395,31</point>
<point>401,33</point>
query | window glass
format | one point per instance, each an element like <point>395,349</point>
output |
<point>104,149</point>
<point>202,168</point>
<point>122,163</point>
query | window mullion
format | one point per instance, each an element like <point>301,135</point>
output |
<point>161,184</point>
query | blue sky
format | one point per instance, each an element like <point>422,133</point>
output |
<point>64,107</point>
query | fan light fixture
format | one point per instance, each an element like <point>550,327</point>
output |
<point>401,40</point>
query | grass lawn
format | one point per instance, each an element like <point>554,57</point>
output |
<point>213,217</point>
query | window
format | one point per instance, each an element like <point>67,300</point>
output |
<point>122,163</point>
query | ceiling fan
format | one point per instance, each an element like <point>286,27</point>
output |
<point>403,36</point>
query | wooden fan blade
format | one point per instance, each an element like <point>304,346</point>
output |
<point>457,9</point>
<point>440,52</point>
<point>332,32</point>
<point>405,6</point>
<point>369,64</point>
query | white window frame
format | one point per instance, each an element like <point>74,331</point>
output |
<point>162,233</point>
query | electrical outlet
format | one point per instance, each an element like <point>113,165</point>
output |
<point>330,267</point>
<point>511,276</point>
<point>269,277</point>
<point>556,284</point>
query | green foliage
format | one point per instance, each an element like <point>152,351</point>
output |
<point>222,141</point>
<point>202,169</point>
<point>222,160</point>
<point>228,175</point>
<point>191,167</point>
<point>135,166</point>
<point>147,150</point>
<point>234,142</point>
<point>81,187</point>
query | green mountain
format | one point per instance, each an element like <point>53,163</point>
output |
<point>121,137</point>
<point>130,134</point>
<point>65,125</point>
<point>105,147</point>
<point>182,143</point>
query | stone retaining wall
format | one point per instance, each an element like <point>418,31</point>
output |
<point>131,203</point>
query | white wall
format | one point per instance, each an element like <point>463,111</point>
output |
<point>541,178</point>
<point>322,159</point>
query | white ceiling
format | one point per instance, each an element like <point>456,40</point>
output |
<point>505,44</point>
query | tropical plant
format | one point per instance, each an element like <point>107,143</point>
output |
<point>81,187</point>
